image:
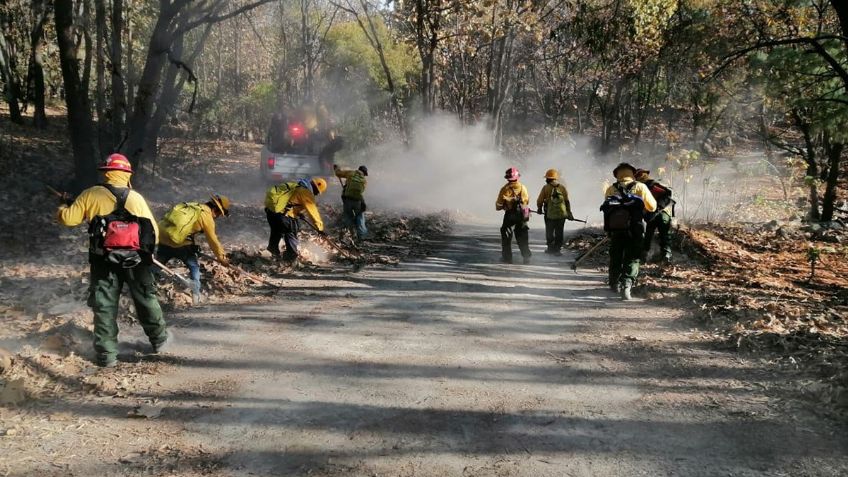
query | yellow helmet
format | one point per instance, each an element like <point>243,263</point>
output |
<point>319,184</point>
<point>222,202</point>
<point>552,174</point>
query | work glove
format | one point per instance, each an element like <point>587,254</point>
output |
<point>66,198</point>
<point>570,216</point>
<point>539,211</point>
<point>335,166</point>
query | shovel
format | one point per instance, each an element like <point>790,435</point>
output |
<point>327,239</point>
<point>570,220</point>
<point>172,274</point>
<point>587,253</point>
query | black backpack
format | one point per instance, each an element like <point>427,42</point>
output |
<point>120,237</point>
<point>623,211</point>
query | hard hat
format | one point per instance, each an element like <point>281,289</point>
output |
<point>364,170</point>
<point>621,166</point>
<point>552,174</point>
<point>222,202</point>
<point>319,184</point>
<point>640,172</point>
<point>117,162</point>
<point>512,174</point>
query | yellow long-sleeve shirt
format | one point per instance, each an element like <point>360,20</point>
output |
<point>509,194</point>
<point>97,200</point>
<point>302,200</point>
<point>205,224</point>
<point>639,189</point>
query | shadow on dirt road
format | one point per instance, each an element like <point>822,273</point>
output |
<point>457,365</point>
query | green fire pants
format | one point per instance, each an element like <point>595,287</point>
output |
<point>107,281</point>
<point>625,250</point>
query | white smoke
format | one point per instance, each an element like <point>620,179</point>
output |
<point>455,167</point>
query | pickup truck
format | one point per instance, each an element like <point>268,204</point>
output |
<point>297,153</point>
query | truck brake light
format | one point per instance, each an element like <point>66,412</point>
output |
<point>271,162</point>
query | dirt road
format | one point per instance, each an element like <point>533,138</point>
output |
<point>456,365</point>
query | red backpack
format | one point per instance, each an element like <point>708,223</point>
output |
<point>120,237</point>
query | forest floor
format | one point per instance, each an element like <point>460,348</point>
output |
<point>419,356</point>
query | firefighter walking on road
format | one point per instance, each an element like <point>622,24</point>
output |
<point>123,236</point>
<point>626,202</point>
<point>284,205</point>
<point>514,199</point>
<point>554,204</point>
<point>658,221</point>
<point>353,200</point>
<point>178,230</point>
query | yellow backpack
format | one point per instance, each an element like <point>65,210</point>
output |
<point>355,186</point>
<point>556,208</point>
<point>277,198</point>
<point>179,221</point>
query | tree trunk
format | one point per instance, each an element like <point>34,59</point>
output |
<point>148,89</point>
<point>7,72</point>
<point>80,124</point>
<point>374,39</point>
<point>41,12</point>
<point>100,76</point>
<point>834,158</point>
<point>130,100</point>
<point>119,99</point>
<point>812,174</point>
<point>171,88</point>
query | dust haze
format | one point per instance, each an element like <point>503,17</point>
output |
<point>455,167</point>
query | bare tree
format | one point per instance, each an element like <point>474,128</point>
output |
<point>176,18</point>
<point>365,21</point>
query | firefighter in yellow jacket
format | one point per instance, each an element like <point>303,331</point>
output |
<point>627,202</point>
<point>554,204</point>
<point>513,199</point>
<point>284,204</point>
<point>179,228</point>
<point>108,278</point>
<point>353,199</point>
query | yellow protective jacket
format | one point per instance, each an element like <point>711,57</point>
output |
<point>509,194</point>
<point>205,224</point>
<point>548,190</point>
<point>302,200</point>
<point>346,175</point>
<point>97,200</point>
<point>639,189</point>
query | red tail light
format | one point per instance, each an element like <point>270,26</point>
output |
<point>296,130</point>
<point>271,162</point>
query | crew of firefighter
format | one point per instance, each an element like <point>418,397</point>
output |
<point>635,207</point>
<point>124,234</point>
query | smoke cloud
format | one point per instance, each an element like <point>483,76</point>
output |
<point>454,167</point>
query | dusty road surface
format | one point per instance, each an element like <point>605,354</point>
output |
<point>454,366</point>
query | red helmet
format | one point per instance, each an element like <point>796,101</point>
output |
<point>512,174</point>
<point>117,162</point>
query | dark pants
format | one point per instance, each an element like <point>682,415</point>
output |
<point>107,281</point>
<point>625,250</point>
<point>554,229</point>
<point>514,224</point>
<point>660,223</point>
<point>187,255</point>
<point>353,216</point>
<point>285,228</point>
